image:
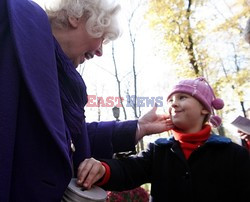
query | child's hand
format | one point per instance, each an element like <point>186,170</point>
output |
<point>89,172</point>
<point>244,136</point>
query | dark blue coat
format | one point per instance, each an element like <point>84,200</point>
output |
<point>35,155</point>
<point>218,171</point>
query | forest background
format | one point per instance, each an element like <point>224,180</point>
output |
<point>164,41</point>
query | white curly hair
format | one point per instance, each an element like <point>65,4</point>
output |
<point>101,16</point>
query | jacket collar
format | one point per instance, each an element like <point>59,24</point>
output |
<point>213,139</point>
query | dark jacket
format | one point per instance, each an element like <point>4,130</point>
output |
<point>35,154</point>
<point>218,171</point>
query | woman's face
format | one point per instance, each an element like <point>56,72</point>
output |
<point>186,113</point>
<point>82,46</point>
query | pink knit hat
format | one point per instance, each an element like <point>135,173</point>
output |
<point>202,91</point>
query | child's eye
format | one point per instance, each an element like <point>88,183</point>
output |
<point>183,97</point>
<point>170,100</point>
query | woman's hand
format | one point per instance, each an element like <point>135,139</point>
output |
<point>89,172</point>
<point>152,123</point>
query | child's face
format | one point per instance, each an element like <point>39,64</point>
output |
<point>186,113</point>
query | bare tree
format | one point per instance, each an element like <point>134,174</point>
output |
<point>132,35</point>
<point>236,62</point>
<point>118,82</point>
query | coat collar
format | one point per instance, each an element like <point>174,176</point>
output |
<point>34,46</point>
<point>213,139</point>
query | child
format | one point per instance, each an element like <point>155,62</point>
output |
<point>245,138</point>
<point>193,165</point>
<point>247,31</point>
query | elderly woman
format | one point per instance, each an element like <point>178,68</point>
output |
<point>43,132</point>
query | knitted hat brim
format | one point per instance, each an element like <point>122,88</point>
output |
<point>190,90</point>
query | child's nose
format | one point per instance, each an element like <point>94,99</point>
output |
<point>174,103</point>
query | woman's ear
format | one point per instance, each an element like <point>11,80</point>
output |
<point>73,21</point>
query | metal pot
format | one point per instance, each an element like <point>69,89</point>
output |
<point>75,193</point>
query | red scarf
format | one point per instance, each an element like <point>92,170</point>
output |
<point>191,141</point>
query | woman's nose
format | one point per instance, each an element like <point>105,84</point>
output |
<point>98,52</point>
